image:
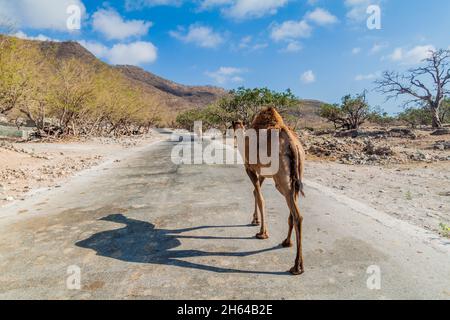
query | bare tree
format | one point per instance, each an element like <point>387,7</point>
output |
<point>430,92</point>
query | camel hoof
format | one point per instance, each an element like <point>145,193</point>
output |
<point>296,271</point>
<point>255,223</point>
<point>286,244</point>
<point>262,236</point>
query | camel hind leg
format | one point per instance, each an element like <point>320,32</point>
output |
<point>298,267</point>
<point>283,185</point>
<point>288,243</point>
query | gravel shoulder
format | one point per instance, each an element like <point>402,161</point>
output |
<point>418,193</point>
<point>29,167</point>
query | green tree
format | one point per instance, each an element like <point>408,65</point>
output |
<point>244,103</point>
<point>186,119</point>
<point>333,113</point>
<point>445,111</point>
<point>70,92</point>
<point>415,117</point>
<point>17,68</point>
<point>350,114</point>
<point>380,117</point>
<point>241,104</point>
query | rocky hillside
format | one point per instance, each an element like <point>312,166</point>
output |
<point>168,94</point>
<point>176,93</point>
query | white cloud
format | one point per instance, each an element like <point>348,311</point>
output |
<point>308,77</point>
<point>225,75</point>
<point>292,46</point>
<point>202,36</point>
<point>113,26</point>
<point>321,17</point>
<point>40,37</point>
<point>242,9</point>
<point>356,50</point>
<point>356,9</point>
<point>412,56</point>
<point>377,47</point>
<point>42,14</point>
<point>247,43</point>
<point>290,30</point>
<point>99,50</point>
<point>370,76</point>
<point>209,4</point>
<point>397,55</point>
<point>139,4</point>
<point>135,53</point>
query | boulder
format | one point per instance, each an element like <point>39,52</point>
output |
<point>347,133</point>
<point>441,132</point>
<point>402,133</point>
<point>442,145</point>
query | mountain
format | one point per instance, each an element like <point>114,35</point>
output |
<point>167,93</point>
<point>170,96</point>
<point>186,95</point>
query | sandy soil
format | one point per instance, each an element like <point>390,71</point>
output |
<point>418,193</point>
<point>26,167</point>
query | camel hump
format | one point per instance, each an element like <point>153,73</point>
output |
<point>268,118</point>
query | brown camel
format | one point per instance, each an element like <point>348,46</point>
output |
<point>288,178</point>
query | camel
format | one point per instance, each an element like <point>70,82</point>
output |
<point>235,127</point>
<point>288,179</point>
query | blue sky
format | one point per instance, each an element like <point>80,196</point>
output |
<point>321,49</point>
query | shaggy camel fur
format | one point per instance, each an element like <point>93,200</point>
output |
<point>288,178</point>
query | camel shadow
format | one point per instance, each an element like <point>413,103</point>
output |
<point>142,242</point>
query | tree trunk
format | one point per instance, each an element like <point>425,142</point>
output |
<point>437,123</point>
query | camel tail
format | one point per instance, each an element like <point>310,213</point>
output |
<point>299,187</point>
<point>298,165</point>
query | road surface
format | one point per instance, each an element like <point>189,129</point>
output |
<point>145,228</point>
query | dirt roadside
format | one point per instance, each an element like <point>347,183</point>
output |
<point>418,193</point>
<point>27,167</point>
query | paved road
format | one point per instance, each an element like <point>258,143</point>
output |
<point>144,228</point>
